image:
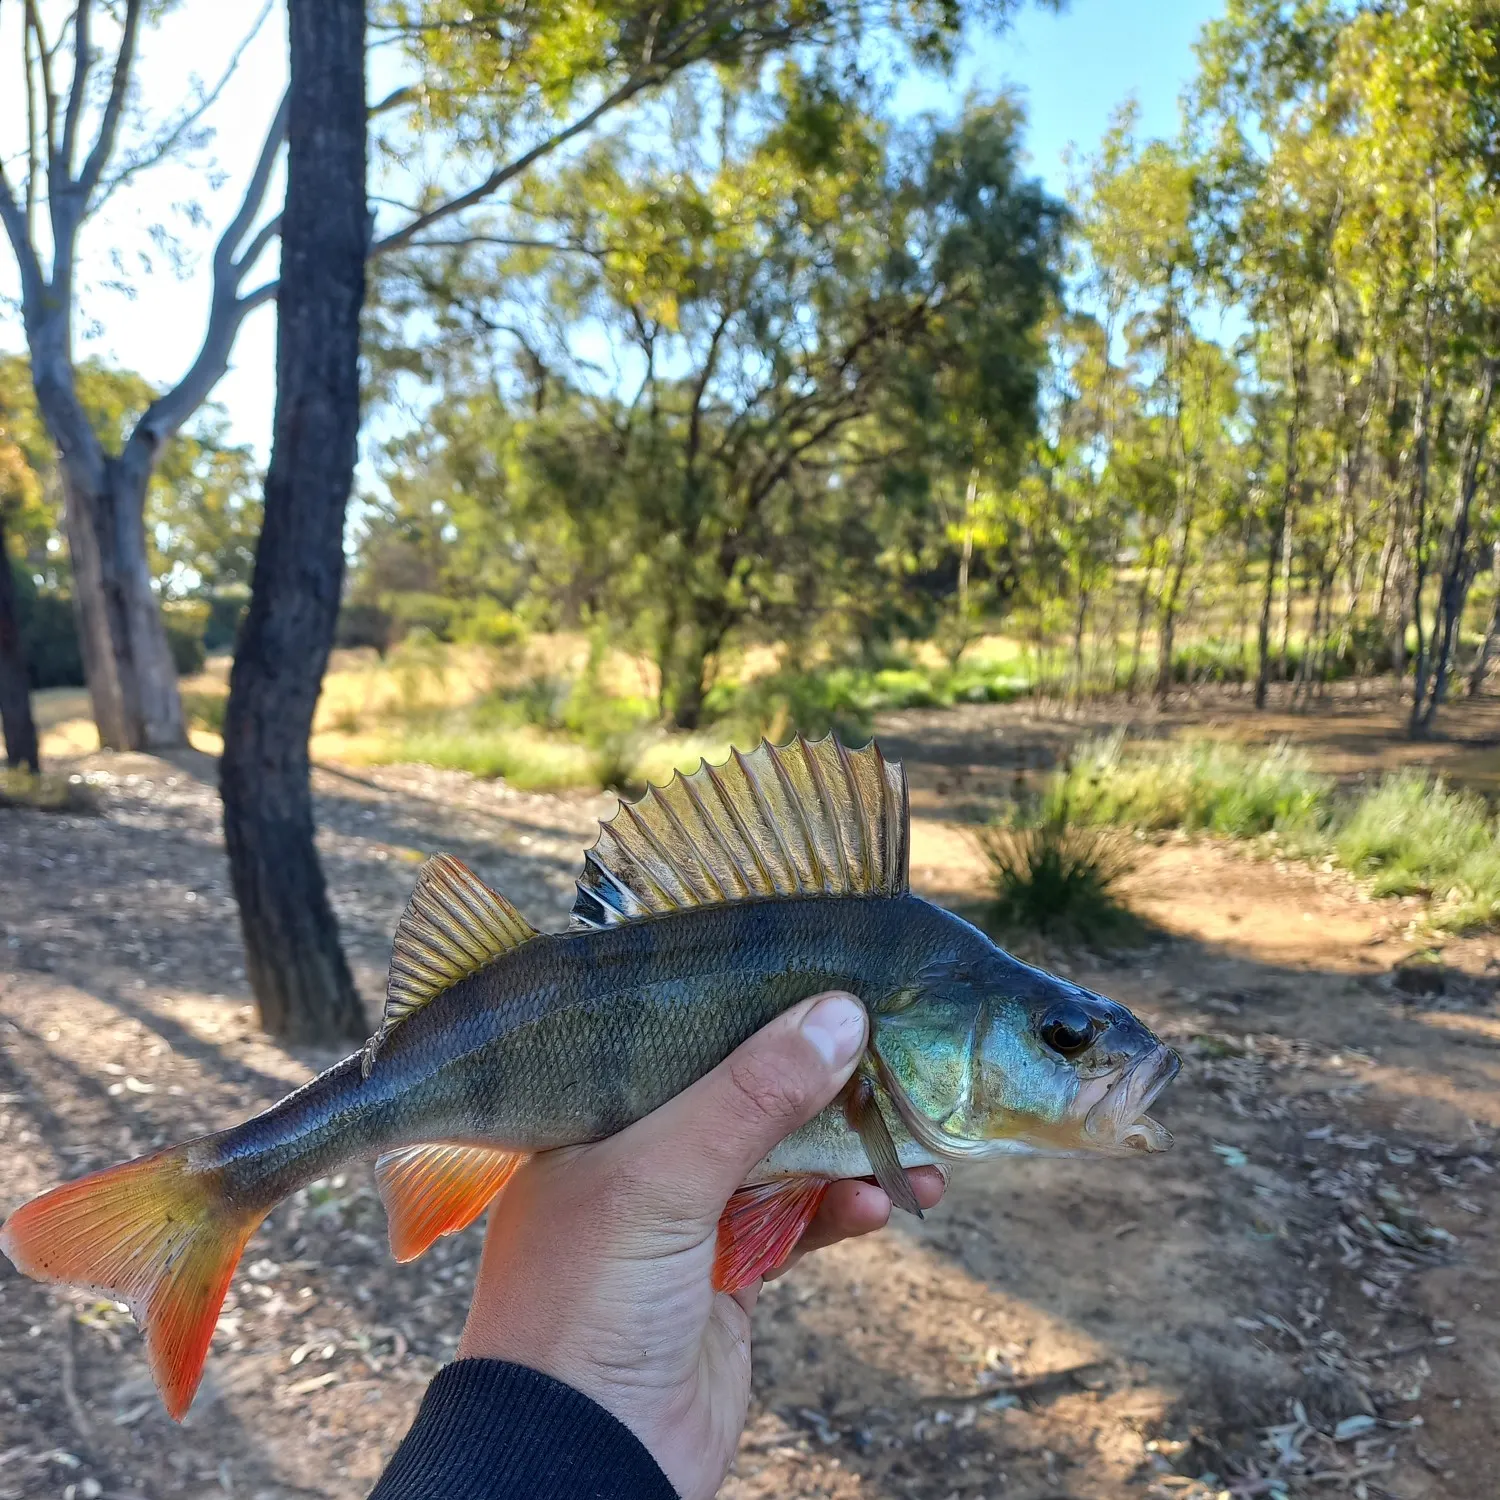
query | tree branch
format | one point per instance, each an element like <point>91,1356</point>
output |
<point>165,144</point>
<point>497,179</point>
<point>119,86</point>
<point>227,309</point>
<point>33,23</point>
<point>256,248</point>
<point>17,231</point>
<point>83,65</point>
<point>255,192</point>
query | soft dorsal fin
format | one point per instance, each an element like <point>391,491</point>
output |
<point>799,820</point>
<point>453,925</point>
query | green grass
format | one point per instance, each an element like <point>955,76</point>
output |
<point>1053,876</point>
<point>1201,787</point>
<point>1409,834</point>
<point>1412,835</point>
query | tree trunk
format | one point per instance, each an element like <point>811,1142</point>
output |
<point>127,662</point>
<point>1481,665</point>
<point>1459,565</point>
<point>1267,601</point>
<point>301,981</point>
<point>16,722</point>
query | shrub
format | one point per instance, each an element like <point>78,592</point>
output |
<point>185,621</point>
<point>1057,877</point>
<point>365,625</point>
<point>205,710</point>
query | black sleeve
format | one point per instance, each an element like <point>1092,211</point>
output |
<point>487,1430</point>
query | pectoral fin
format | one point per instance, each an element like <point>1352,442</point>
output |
<point>430,1191</point>
<point>862,1110</point>
<point>760,1227</point>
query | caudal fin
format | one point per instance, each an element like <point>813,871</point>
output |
<point>155,1234</point>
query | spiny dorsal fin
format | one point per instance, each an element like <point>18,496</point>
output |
<point>453,925</point>
<point>799,820</point>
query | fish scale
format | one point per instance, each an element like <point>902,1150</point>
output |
<point>704,911</point>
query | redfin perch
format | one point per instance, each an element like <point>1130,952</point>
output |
<point>703,911</point>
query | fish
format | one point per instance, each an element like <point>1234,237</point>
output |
<point>704,910</point>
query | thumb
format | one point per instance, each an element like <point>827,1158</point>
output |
<point>703,1142</point>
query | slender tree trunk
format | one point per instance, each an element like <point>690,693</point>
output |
<point>1267,602</point>
<point>15,691</point>
<point>1481,666</point>
<point>301,981</point>
<point>1458,564</point>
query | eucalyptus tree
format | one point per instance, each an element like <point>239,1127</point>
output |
<point>88,135</point>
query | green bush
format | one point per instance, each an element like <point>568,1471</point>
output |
<point>186,620</point>
<point>49,636</point>
<point>365,625</point>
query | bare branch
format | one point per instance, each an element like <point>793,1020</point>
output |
<point>256,248</point>
<point>148,156</point>
<point>255,192</point>
<point>33,23</point>
<point>393,100</point>
<point>266,292</point>
<point>17,231</point>
<point>83,65</point>
<point>505,242</point>
<point>104,145</point>
<point>227,310</point>
<point>513,169</point>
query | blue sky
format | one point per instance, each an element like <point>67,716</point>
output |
<point>1073,70</point>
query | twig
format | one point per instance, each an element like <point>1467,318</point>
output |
<point>81,1424</point>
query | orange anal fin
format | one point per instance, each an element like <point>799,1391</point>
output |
<point>153,1233</point>
<point>430,1191</point>
<point>760,1227</point>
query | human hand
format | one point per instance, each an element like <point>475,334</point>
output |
<point>597,1261</point>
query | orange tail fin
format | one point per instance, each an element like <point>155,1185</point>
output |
<point>155,1234</point>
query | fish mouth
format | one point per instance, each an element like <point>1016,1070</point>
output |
<point>1119,1120</point>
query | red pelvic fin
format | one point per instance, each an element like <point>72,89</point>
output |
<point>760,1227</point>
<point>154,1233</point>
<point>429,1191</point>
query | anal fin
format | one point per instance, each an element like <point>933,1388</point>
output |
<point>430,1191</point>
<point>760,1227</point>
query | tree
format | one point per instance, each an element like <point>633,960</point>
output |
<point>19,492</point>
<point>83,144</point>
<point>797,314</point>
<point>298,972</point>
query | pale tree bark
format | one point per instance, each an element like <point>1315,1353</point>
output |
<point>127,662</point>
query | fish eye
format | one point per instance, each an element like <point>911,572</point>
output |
<point>1068,1029</point>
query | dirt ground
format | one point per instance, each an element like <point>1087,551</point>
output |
<point>1302,1298</point>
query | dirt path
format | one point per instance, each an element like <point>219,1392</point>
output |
<point>1317,1251</point>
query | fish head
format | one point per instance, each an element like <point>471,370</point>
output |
<point>987,1056</point>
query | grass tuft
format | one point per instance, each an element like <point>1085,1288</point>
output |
<point>47,792</point>
<point>1051,875</point>
<point>1414,836</point>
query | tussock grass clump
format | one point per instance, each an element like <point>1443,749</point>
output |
<point>1412,835</point>
<point>1201,787</point>
<point>47,792</point>
<point>1060,878</point>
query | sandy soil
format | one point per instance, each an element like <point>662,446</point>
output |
<point>1301,1299</point>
